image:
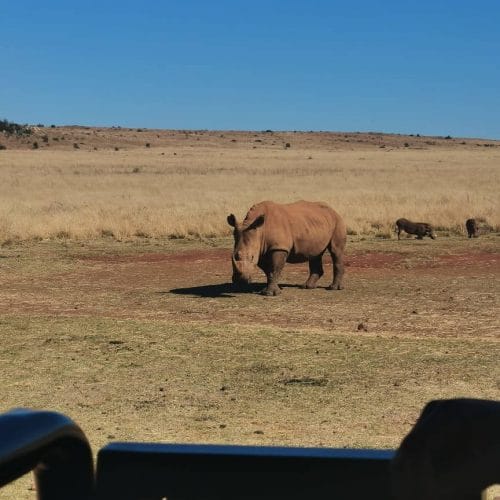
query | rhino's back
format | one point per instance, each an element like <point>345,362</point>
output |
<point>301,228</point>
<point>313,211</point>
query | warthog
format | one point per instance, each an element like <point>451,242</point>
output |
<point>452,452</point>
<point>472,228</point>
<point>421,229</point>
<point>272,234</point>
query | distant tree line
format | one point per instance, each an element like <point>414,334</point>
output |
<point>14,128</point>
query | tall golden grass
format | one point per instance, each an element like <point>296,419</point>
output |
<point>156,193</point>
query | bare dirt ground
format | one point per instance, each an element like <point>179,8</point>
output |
<point>147,341</point>
<point>421,289</point>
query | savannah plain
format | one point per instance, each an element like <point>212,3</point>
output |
<point>116,307</point>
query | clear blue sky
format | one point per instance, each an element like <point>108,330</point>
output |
<point>427,67</point>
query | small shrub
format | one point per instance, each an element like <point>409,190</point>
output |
<point>148,145</point>
<point>14,128</point>
<point>287,145</point>
<point>35,145</point>
<point>117,149</point>
<point>2,147</point>
<point>136,170</point>
<point>107,233</point>
<point>76,146</point>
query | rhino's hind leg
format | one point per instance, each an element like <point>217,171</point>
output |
<point>278,259</point>
<point>338,268</point>
<point>315,272</point>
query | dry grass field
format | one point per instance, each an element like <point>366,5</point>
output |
<point>139,336</point>
<point>185,183</point>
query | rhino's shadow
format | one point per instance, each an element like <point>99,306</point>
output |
<point>225,290</point>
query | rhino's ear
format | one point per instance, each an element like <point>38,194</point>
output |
<point>256,223</point>
<point>231,220</point>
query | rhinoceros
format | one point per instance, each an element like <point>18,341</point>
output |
<point>421,229</point>
<point>273,233</point>
<point>472,228</point>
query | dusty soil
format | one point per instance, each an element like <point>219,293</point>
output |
<point>410,292</point>
<point>148,341</point>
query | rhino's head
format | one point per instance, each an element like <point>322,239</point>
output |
<point>247,244</point>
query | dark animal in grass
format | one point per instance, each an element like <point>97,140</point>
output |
<point>421,229</point>
<point>472,228</point>
<point>452,452</point>
<point>272,234</point>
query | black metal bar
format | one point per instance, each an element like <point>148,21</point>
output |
<point>53,447</point>
<point>188,472</point>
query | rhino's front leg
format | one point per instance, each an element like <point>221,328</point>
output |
<point>273,272</point>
